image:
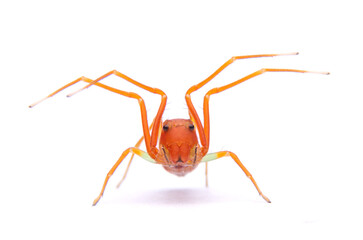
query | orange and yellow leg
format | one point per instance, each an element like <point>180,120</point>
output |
<point>214,156</point>
<point>225,87</point>
<point>150,140</point>
<point>155,131</point>
<point>133,150</point>
<point>203,138</point>
<point>137,145</point>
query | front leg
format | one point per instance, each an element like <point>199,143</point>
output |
<point>235,83</point>
<point>150,140</point>
<point>203,133</point>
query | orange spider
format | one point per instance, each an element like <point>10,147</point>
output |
<point>179,150</point>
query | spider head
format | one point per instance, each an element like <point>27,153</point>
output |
<point>179,146</point>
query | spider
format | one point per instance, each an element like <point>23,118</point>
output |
<point>180,151</point>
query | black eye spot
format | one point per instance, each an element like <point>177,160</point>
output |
<point>191,127</point>
<point>165,127</point>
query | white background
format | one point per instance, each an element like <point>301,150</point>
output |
<point>300,135</point>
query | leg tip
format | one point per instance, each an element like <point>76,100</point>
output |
<point>37,102</point>
<point>96,201</point>
<point>266,198</point>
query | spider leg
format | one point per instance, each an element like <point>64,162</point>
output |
<point>203,138</point>
<point>137,145</point>
<point>133,150</point>
<point>225,87</point>
<point>214,156</point>
<point>206,174</point>
<point>57,91</point>
<point>142,109</point>
<point>155,130</point>
<point>150,140</point>
<point>206,164</point>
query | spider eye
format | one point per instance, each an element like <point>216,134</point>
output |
<point>165,127</point>
<point>191,127</point>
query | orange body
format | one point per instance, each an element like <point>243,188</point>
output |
<point>179,149</point>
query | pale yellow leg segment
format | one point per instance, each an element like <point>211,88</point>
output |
<point>136,151</point>
<point>214,156</point>
<point>55,92</point>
